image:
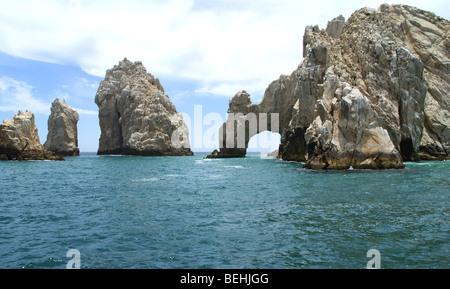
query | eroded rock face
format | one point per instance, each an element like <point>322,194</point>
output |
<point>136,117</point>
<point>19,139</point>
<point>62,135</point>
<point>371,110</point>
<point>371,92</point>
<point>351,138</point>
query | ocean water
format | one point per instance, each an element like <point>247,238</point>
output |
<point>189,212</point>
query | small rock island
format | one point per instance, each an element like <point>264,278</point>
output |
<point>136,117</point>
<point>19,140</point>
<point>62,135</point>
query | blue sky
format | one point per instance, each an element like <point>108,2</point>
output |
<point>203,52</point>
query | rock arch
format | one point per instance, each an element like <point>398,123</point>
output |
<point>359,99</point>
<point>246,120</point>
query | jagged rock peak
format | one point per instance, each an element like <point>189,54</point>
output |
<point>391,63</point>
<point>335,26</point>
<point>62,135</point>
<point>136,117</point>
<point>132,69</point>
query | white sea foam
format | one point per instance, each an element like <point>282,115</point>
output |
<point>148,180</point>
<point>173,176</point>
<point>202,161</point>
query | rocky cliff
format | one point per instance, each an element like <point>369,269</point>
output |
<point>136,117</point>
<point>62,135</point>
<point>371,92</point>
<point>19,140</point>
<point>382,86</point>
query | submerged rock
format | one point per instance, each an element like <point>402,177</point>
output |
<point>19,140</point>
<point>136,117</point>
<point>62,135</point>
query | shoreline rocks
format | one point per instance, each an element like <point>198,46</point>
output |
<point>62,135</point>
<point>136,117</point>
<point>19,140</point>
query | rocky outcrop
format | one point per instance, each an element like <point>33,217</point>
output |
<point>62,135</point>
<point>370,93</point>
<point>19,140</point>
<point>372,111</point>
<point>136,117</point>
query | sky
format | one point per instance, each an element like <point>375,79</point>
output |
<point>203,52</point>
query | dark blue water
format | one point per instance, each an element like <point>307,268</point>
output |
<point>187,212</point>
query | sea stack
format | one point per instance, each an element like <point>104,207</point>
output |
<point>62,135</point>
<point>19,140</point>
<point>370,93</point>
<point>136,117</point>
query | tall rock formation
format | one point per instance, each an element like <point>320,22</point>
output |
<point>19,140</point>
<point>370,93</point>
<point>62,135</point>
<point>136,117</point>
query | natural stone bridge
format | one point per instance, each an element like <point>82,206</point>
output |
<point>363,97</point>
<point>246,120</point>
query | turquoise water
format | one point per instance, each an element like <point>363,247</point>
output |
<point>188,212</point>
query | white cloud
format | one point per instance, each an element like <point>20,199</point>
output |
<point>222,45</point>
<point>81,83</point>
<point>230,88</point>
<point>86,111</point>
<point>17,95</point>
<point>79,90</point>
